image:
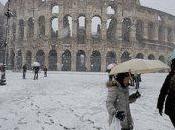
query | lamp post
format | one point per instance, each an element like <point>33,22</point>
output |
<point>8,15</point>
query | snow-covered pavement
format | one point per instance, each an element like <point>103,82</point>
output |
<point>72,101</point>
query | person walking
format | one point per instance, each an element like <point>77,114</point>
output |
<point>24,71</point>
<point>137,81</point>
<point>168,92</point>
<point>118,101</point>
<point>45,71</point>
<point>36,70</point>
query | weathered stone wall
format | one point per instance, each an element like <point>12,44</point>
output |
<point>135,32</point>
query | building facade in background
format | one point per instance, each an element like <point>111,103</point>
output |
<point>87,35</point>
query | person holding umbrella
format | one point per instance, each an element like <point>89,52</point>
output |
<point>168,92</point>
<point>118,100</point>
<point>36,67</point>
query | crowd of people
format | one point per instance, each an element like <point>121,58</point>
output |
<point>35,69</point>
<point>118,98</point>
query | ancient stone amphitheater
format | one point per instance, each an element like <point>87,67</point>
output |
<point>86,35</point>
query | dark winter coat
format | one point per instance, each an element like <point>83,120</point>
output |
<point>118,99</point>
<point>167,90</point>
<point>36,69</point>
<point>24,68</point>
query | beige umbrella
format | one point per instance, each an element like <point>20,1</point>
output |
<point>139,66</point>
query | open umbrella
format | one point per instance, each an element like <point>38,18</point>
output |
<point>110,66</point>
<point>36,64</point>
<point>139,66</point>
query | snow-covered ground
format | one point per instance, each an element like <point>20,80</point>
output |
<point>72,101</point>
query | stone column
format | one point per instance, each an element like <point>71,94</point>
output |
<point>74,26</point>
<point>104,30</point>
<point>74,57</point>
<point>119,29</point>
<point>166,34</point>
<point>103,61</point>
<point>88,28</point>
<point>156,31</point>
<point>59,59</point>
<point>145,34</point>
<point>88,62</point>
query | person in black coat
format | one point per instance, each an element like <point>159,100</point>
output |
<point>24,71</point>
<point>168,92</point>
<point>36,70</point>
<point>45,71</point>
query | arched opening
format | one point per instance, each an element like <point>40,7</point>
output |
<point>151,57</point>
<point>139,30</point>
<point>55,9</point>
<point>81,30</point>
<point>52,60</point>
<point>95,61</point>
<point>140,56</point>
<point>54,29</point>
<point>110,10</point>
<point>41,22</point>
<point>81,61</point>
<point>29,59</point>
<point>126,26</point>
<point>111,58</point>
<point>30,24</point>
<point>40,57</point>
<point>125,56</point>
<point>66,61</point>
<point>151,30</point>
<point>111,29</point>
<point>19,60</point>
<point>12,61</point>
<point>21,29</point>
<point>162,58</point>
<point>161,35</point>
<point>67,26</point>
<point>96,28</point>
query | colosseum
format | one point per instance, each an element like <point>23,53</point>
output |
<point>86,35</point>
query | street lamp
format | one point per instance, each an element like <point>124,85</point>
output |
<point>8,15</point>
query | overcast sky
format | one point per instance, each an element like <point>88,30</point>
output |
<point>163,5</point>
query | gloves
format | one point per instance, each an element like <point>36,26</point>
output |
<point>137,94</point>
<point>120,115</point>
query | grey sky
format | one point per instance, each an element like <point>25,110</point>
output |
<point>163,5</point>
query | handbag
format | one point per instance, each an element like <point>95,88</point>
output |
<point>115,125</point>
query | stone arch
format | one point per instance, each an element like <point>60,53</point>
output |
<point>139,30</point>
<point>19,60</point>
<point>29,59</point>
<point>111,29</point>
<point>126,25</point>
<point>151,57</point>
<point>67,26</point>
<point>66,61</point>
<point>41,23</point>
<point>21,29</point>
<point>30,25</point>
<point>81,29</point>
<point>111,58</point>
<point>162,58</point>
<point>96,27</point>
<point>40,57</point>
<point>52,60</point>
<point>81,61</point>
<point>95,61</point>
<point>125,56</point>
<point>151,30</point>
<point>140,56</point>
<point>161,34</point>
<point>12,59</point>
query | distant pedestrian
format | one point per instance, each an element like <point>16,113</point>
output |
<point>24,71</point>
<point>36,70</point>
<point>45,71</point>
<point>168,92</point>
